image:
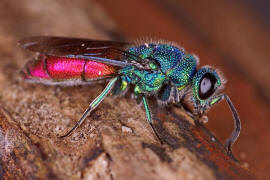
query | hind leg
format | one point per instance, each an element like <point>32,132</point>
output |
<point>93,105</point>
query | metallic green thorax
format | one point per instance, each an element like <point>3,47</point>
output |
<point>166,64</point>
<point>168,72</point>
<point>145,81</point>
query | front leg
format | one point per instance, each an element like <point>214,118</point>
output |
<point>199,109</point>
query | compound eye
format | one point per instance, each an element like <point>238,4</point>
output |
<point>207,86</point>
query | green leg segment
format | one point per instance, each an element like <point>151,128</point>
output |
<point>93,105</point>
<point>149,118</point>
<point>147,110</point>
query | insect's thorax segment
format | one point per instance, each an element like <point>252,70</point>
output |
<point>145,81</point>
<point>166,63</point>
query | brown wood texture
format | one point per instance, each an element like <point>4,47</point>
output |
<point>115,142</point>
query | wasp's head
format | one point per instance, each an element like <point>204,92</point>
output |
<point>206,84</point>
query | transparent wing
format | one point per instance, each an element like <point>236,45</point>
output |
<point>109,52</point>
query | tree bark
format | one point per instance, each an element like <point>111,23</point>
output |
<point>115,141</point>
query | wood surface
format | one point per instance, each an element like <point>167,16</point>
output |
<point>115,142</point>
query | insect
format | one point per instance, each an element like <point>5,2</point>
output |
<point>162,70</point>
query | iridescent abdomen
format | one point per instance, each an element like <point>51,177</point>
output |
<point>60,69</point>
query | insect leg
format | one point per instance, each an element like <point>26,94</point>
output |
<point>237,126</point>
<point>237,123</point>
<point>93,105</point>
<point>149,118</point>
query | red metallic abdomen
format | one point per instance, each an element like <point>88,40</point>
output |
<point>61,69</point>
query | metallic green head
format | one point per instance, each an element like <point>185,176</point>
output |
<point>206,84</point>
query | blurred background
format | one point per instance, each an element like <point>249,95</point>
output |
<point>232,36</point>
